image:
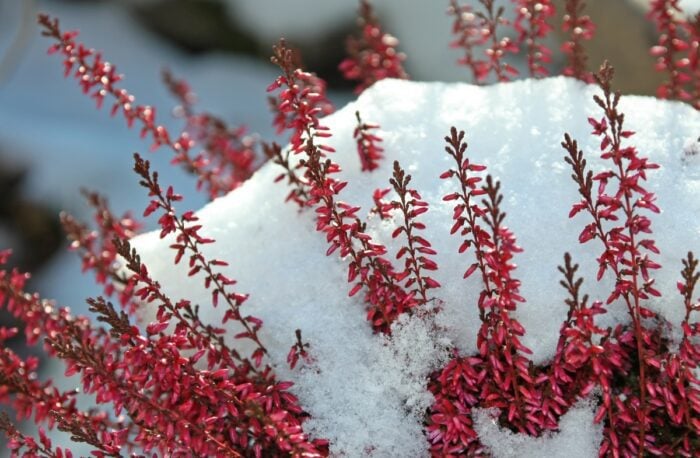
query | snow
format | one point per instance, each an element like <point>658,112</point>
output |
<point>690,6</point>
<point>366,393</point>
<point>578,436</point>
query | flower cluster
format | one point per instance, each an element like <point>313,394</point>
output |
<point>677,50</point>
<point>580,28</point>
<point>656,410</point>
<point>467,30</point>
<point>368,148</point>
<point>372,56</point>
<point>532,27</point>
<point>98,250</point>
<point>337,219</point>
<point>231,153</point>
<point>219,170</point>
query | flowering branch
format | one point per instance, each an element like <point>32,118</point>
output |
<point>532,27</point>
<point>19,379</point>
<point>299,188</point>
<point>336,218</point>
<point>298,350</point>
<point>367,144</point>
<point>623,249</point>
<point>417,248</point>
<point>373,56</point>
<point>229,153</point>
<point>299,106</point>
<point>495,53</point>
<point>465,213</point>
<point>668,51</point>
<point>693,27</point>
<point>509,385</point>
<point>381,207</point>
<point>18,441</point>
<point>206,338</point>
<point>99,79</point>
<point>97,248</point>
<point>469,35</point>
<point>581,28</point>
<point>188,241</point>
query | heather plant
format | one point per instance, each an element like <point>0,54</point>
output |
<point>167,381</point>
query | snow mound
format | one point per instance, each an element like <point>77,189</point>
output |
<point>578,437</point>
<point>367,393</point>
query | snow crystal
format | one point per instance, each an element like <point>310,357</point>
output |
<point>366,393</point>
<point>578,436</point>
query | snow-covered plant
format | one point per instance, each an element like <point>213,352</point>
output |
<point>169,380</point>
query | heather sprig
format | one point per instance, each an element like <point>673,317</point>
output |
<point>671,46</point>
<point>468,35</point>
<point>60,329</point>
<point>230,153</point>
<point>373,56</point>
<point>580,28</point>
<point>20,444</point>
<point>337,219</point>
<point>207,339</point>
<point>188,241</point>
<point>509,383</point>
<point>466,212</point>
<point>27,395</point>
<point>497,47</point>
<point>300,350</point>
<point>533,28</point>
<point>298,187</point>
<point>382,207</point>
<point>99,79</point>
<point>417,251</point>
<point>693,27</point>
<point>301,103</point>
<point>368,148</point>
<point>97,248</point>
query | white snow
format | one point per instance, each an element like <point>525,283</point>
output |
<point>366,393</point>
<point>690,6</point>
<point>578,436</point>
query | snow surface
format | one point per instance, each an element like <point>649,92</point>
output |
<point>366,393</point>
<point>573,440</point>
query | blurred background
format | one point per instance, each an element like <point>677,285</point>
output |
<point>53,141</point>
